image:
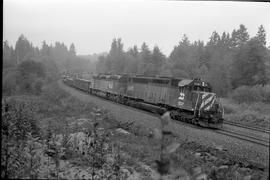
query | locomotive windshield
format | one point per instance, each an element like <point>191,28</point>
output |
<point>201,88</point>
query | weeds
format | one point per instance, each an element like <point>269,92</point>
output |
<point>19,155</point>
<point>253,114</point>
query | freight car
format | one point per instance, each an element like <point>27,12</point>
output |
<point>189,100</point>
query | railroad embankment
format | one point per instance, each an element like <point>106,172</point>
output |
<point>202,140</point>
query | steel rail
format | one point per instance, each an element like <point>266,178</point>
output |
<point>247,127</point>
<point>263,142</point>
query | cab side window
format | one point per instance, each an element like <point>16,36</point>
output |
<point>182,89</point>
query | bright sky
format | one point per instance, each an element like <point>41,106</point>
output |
<point>91,25</point>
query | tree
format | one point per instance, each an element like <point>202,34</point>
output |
<point>132,63</point>
<point>30,76</point>
<point>9,85</point>
<point>249,64</point>
<point>261,35</point>
<point>132,58</point>
<point>101,63</point>
<point>182,59</point>
<point>115,61</point>
<point>133,51</point>
<point>145,59</point>
<point>185,41</point>
<point>243,35</point>
<point>72,50</point>
<point>157,61</point>
<point>116,56</point>
<point>31,67</point>
<point>23,49</point>
<point>45,50</point>
<point>224,41</point>
<point>239,37</point>
<point>214,39</point>
<point>8,56</point>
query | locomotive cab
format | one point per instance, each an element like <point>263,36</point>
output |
<point>189,90</point>
<point>196,96</point>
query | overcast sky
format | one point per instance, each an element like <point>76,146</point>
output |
<point>91,25</point>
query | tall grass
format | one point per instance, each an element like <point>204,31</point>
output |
<point>254,114</point>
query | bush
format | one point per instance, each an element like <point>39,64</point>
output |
<point>249,94</point>
<point>250,117</point>
<point>38,86</point>
<point>9,82</point>
<point>19,135</point>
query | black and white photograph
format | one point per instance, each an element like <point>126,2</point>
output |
<point>135,90</point>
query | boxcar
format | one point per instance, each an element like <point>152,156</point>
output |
<point>69,81</point>
<point>82,84</point>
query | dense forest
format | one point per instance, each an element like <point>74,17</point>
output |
<point>228,61</point>
<point>26,68</point>
<point>231,62</point>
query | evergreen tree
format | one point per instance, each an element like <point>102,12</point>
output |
<point>45,50</point>
<point>133,51</point>
<point>261,35</point>
<point>243,35</point>
<point>23,49</point>
<point>185,41</point>
<point>145,59</point>
<point>8,56</point>
<point>234,39</point>
<point>72,50</point>
<point>239,37</point>
<point>153,67</point>
<point>249,64</point>
<point>214,39</point>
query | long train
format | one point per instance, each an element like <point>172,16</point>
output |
<point>188,100</point>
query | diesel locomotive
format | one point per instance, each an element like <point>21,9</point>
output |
<point>189,100</point>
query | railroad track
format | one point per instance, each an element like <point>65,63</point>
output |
<point>263,130</point>
<point>241,136</point>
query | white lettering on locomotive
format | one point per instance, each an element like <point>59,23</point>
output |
<point>203,83</point>
<point>182,96</point>
<point>110,85</point>
<point>180,103</point>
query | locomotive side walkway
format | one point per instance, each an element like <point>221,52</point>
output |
<point>206,137</point>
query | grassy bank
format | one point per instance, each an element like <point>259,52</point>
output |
<point>255,114</point>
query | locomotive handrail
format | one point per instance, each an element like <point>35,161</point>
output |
<point>196,106</point>
<point>220,104</point>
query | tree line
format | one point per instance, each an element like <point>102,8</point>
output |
<point>227,61</point>
<point>26,68</point>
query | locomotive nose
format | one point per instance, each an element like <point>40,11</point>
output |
<point>207,101</point>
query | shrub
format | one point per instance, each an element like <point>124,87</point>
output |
<point>229,107</point>
<point>19,139</point>
<point>9,83</point>
<point>266,93</point>
<point>248,94</point>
